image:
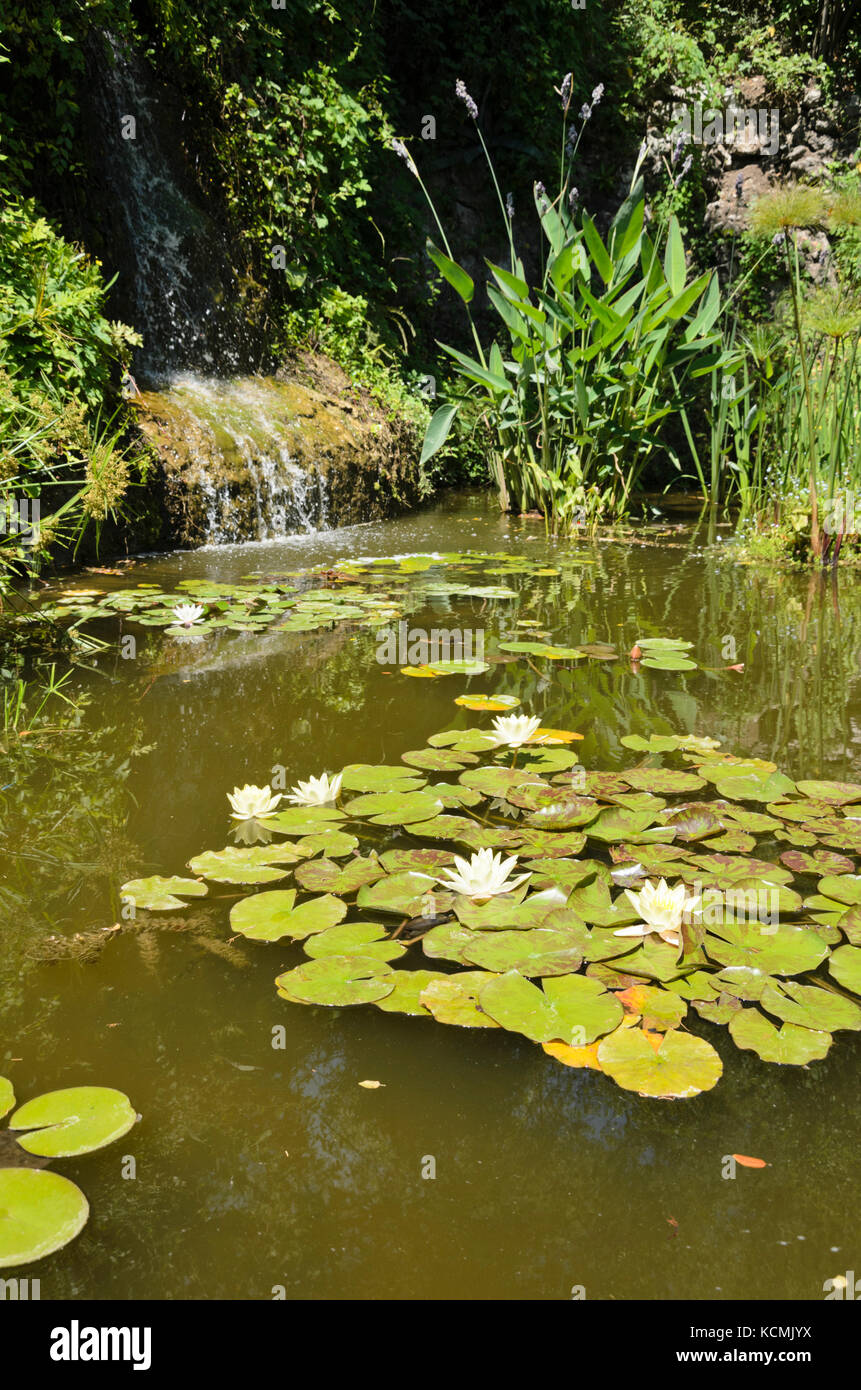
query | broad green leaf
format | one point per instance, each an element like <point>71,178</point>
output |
<point>40,1212</point>
<point>452,272</point>
<point>787,1045</point>
<point>272,915</point>
<point>157,894</point>
<point>679,1066</point>
<point>337,981</point>
<point>77,1120</point>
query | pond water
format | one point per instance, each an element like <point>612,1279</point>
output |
<point>261,1169</point>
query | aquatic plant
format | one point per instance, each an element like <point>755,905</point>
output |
<point>43,1211</point>
<point>628,899</point>
<point>317,791</point>
<point>252,803</point>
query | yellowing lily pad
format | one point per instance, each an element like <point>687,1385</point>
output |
<point>573,1009</point>
<point>337,981</point>
<point>788,1045</point>
<point>73,1121</point>
<point>40,1212</point>
<point>157,894</point>
<point>681,1066</point>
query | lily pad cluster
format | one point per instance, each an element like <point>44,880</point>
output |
<point>372,593</point>
<point>41,1211</point>
<point>490,881</point>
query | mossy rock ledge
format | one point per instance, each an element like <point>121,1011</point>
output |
<point>253,458</point>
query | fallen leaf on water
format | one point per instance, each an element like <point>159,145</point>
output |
<point>371,1085</point>
<point>750,1162</point>
<point>575,1056</point>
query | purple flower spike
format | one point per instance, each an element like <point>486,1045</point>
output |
<point>509,206</point>
<point>585,111</point>
<point>598,93</point>
<point>565,93</point>
<point>460,91</point>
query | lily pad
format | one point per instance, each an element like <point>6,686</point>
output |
<point>76,1120</point>
<point>244,864</point>
<point>779,950</point>
<point>405,998</point>
<point>679,1066</point>
<point>325,876</point>
<point>811,1007</point>
<point>354,939</point>
<point>573,1009</point>
<point>845,966</point>
<point>788,1045</point>
<point>541,951</point>
<point>337,981</point>
<point>660,1009</point>
<point>157,894</point>
<point>272,915</point>
<point>405,894</point>
<point>7,1095</point>
<point>40,1212</point>
<point>373,777</point>
<point>395,808</point>
<point>455,1000</point>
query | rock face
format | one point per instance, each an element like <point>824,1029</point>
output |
<point>789,139</point>
<point>254,458</point>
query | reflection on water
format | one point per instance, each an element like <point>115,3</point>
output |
<point>259,1168</point>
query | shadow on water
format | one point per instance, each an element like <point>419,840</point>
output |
<point>259,1167</point>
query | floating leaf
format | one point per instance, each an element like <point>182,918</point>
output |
<point>273,915</point>
<point>40,1212</point>
<point>845,966</point>
<point>541,951</point>
<point>367,939</point>
<point>488,702</point>
<point>405,894</point>
<point>244,864</point>
<point>325,876</point>
<point>681,1066</point>
<point>73,1121</point>
<point>455,1000</point>
<point>337,981</point>
<point>573,1009</point>
<point>787,1045</point>
<point>371,777</point>
<point>395,808</point>
<point>747,1162</point>
<point>7,1095</point>
<point>837,793</point>
<point>405,998</point>
<point>811,1007</point>
<point>574,1056</point>
<point>779,950</point>
<point>660,1008</point>
<point>820,862</point>
<point>157,894</point>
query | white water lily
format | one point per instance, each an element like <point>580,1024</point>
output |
<point>483,876</point>
<point>188,613</point>
<point>663,909</point>
<point>515,729</point>
<point>252,803</point>
<point>317,791</point>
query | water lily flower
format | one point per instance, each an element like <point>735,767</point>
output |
<point>252,803</point>
<point>317,791</point>
<point>188,613</point>
<point>483,876</point>
<point>514,729</point>
<point>662,909</point>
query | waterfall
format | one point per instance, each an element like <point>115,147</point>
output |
<point>247,455</point>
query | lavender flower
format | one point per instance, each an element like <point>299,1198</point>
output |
<point>572,140</point>
<point>573,198</point>
<point>678,147</point>
<point>403,153</point>
<point>509,206</point>
<point>460,91</point>
<point>684,169</point>
<point>565,92</point>
<point>597,94</point>
<point>585,111</point>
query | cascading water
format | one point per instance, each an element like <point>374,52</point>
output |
<point>238,443</point>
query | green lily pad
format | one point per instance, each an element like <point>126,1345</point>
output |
<point>781,950</point>
<point>7,1095</point>
<point>681,1066</point>
<point>405,998</point>
<point>448,941</point>
<point>668,662</point>
<point>272,915</point>
<point>541,951</point>
<point>811,1007</point>
<point>335,844</point>
<point>455,1000</point>
<point>439,759</point>
<point>842,888</point>
<point>845,966</point>
<point>405,894</point>
<point>539,759</point>
<point>367,939</point>
<point>40,1212</point>
<point>157,894</point>
<point>766,789</point>
<point>244,864</point>
<point>615,823</point>
<point>573,1009</point>
<point>77,1120</point>
<point>337,981</point>
<point>395,808</point>
<point>837,793</point>
<point>508,910</point>
<point>660,1009</point>
<point>788,1045</point>
<point>303,820</point>
<point>370,777</point>
<point>693,823</point>
<point>325,876</point>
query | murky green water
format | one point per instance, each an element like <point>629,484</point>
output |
<point>258,1168</point>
